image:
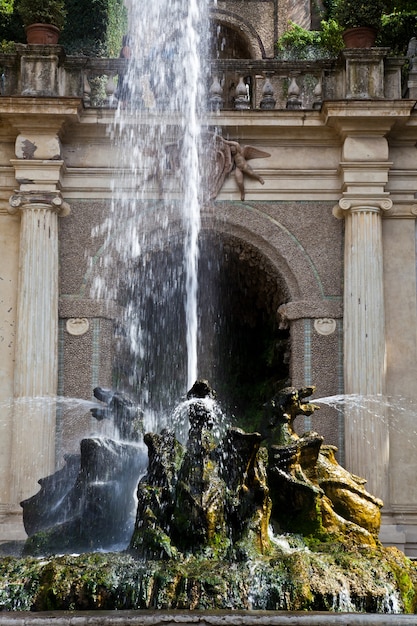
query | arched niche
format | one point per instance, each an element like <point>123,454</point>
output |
<point>242,350</point>
<point>228,42</point>
<point>242,40</point>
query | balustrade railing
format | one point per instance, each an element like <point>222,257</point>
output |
<point>234,84</point>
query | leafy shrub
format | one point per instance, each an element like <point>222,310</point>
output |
<point>6,7</point>
<point>94,28</point>
<point>299,43</point>
<point>353,13</point>
<point>397,30</point>
<point>42,11</point>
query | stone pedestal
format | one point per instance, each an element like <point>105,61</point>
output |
<point>364,73</point>
<point>40,69</point>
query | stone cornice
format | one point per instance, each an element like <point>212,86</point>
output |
<point>28,200</point>
<point>84,307</point>
<point>39,175</point>
<point>366,117</point>
<point>303,309</point>
<point>18,109</point>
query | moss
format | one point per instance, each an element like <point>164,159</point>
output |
<point>405,573</point>
<point>296,580</point>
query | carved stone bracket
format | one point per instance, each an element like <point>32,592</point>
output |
<point>51,200</point>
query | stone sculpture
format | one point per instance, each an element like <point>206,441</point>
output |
<point>89,503</point>
<point>310,491</point>
<point>127,417</point>
<point>223,497</point>
<point>229,156</point>
<point>205,508</point>
<point>205,496</point>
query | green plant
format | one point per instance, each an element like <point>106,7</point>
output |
<point>6,7</point>
<point>331,36</point>
<point>42,11</point>
<point>397,30</point>
<point>299,43</point>
<point>7,46</point>
<point>94,28</point>
<point>351,13</point>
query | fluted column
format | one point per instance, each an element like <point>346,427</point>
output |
<point>366,431</point>
<point>35,377</point>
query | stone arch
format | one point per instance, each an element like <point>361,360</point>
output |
<point>247,223</point>
<point>228,43</point>
<point>246,31</point>
<point>264,258</point>
<point>274,241</point>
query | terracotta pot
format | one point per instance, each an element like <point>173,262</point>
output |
<point>359,37</point>
<point>42,34</point>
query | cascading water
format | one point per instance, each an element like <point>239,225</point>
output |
<point>152,233</point>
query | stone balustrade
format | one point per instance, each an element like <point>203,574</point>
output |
<point>240,84</point>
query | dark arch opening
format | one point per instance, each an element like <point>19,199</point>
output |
<point>227,42</point>
<point>242,351</point>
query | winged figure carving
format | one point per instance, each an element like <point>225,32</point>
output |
<point>229,156</point>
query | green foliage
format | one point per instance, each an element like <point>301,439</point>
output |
<point>297,37</point>
<point>351,13</point>
<point>331,36</point>
<point>7,47</point>
<point>397,30</point>
<point>94,28</point>
<point>300,43</point>
<point>392,6</point>
<point>42,11</point>
<point>11,28</point>
<point>6,7</point>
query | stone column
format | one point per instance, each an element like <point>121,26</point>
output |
<point>35,378</point>
<point>363,296</point>
<point>366,430</point>
<point>365,169</point>
<point>363,124</point>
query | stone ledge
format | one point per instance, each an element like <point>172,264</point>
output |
<point>218,618</point>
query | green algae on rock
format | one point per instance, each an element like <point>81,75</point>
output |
<point>377,581</point>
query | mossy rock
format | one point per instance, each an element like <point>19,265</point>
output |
<point>296,577</point>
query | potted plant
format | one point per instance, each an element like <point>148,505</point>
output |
<point>43,19</point>
<point>360,20</point>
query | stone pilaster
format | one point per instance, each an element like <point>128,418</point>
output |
<point>35,378</point>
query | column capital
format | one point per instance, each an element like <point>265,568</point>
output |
<point>49,200</point>
<point>357,205</point>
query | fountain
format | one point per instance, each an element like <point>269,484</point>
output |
<point>221,518</point>
<point>231,520</point>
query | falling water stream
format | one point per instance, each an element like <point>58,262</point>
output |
<point>152,234</point>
